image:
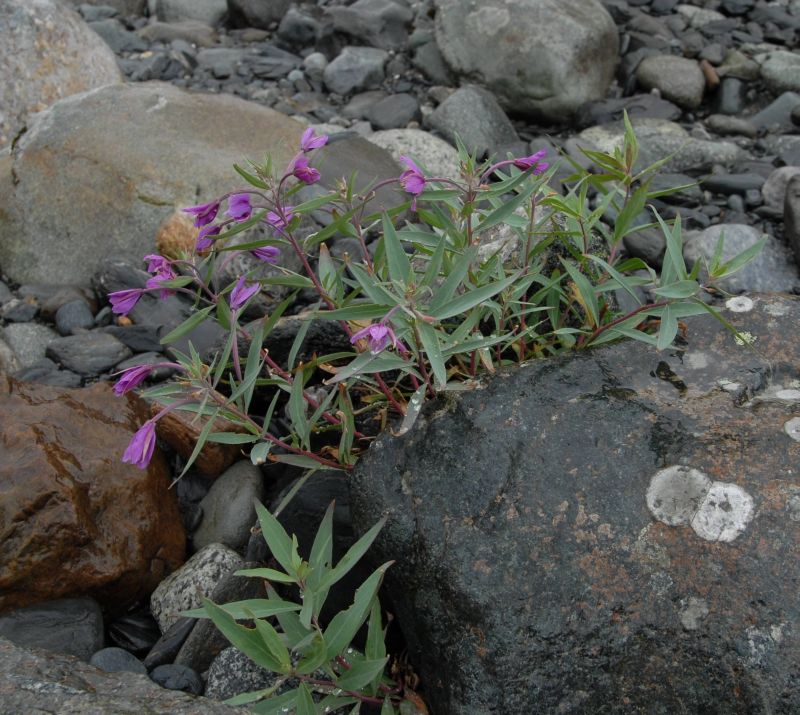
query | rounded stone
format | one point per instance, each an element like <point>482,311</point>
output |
<point>792,428</point>
<point>74,316</point>
<point>433,154</point>
<point>177,677</point>
<point>228,508</point>
<point>678,79</point>
<point>675,494</point>
<point>781,71</point>
<point>542,58</point>
<point>117,660</point>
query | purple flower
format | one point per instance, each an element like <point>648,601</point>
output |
<point>122,301</point>
<point>378,336</point>
<point>203,240</point>
<point>534,160</point>
<point>412,180</point>
<point>308,141</point>
<point>203,213</point>
<point>280,222</point>
<point>239,208</point>
<point>241,293</point>
<point>155,282</point>
<point>268,254</point>
<point>132,377</point>
<point>140,450</point>
<point>301,170</point>
<point>157,264</point>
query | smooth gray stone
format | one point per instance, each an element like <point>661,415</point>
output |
<point>229,507</point>
<point>394,112</point>
<point>377,23</point>
<point>73,317</point>
<point>732,183</point>
<point>473,114</point>
<point>117,660</point>
<point>356,69</point>
<point>117,37</point>
<point>87,354</point>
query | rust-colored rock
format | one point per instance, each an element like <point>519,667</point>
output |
<point>73,518</point>
<point>180,430</point>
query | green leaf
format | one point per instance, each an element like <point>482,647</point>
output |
<point>328,275</point>
<point>321,556</point>
<point>268,574</point>
<point>245,639</point>
<point>232,438</point>
<point>678,290</point>
<point>458,271</point>
<point>254,607</point>
<point>396,257</point>
<point>274,643</point>
<point>470,299</point>
<point>387,708</point>
<point>674,252</point>
<point>413,409</point>
<point>277,539</point>
<point>250,178</point>
<point>345,624</point>
<point>375,645</point>
<point>366,311</point>
<point>251,697</point>
<point>314,656</point>
<point>368,363</point>
<point>258,455</point>
<point>298,460</point>
<point>304,705</point>
<point>237,228</point>
<point>307,611</point>
<point>353,555</point>
<point>741,259</point>
<point>291,281</point>
<point>430,342</point>
<point>506,209</point>
<point>297,343</point>
<point>280,705</point>
<point>361,673</point>
<point>315,203</point>
<point>296,408</point>
<point>617,276</point>
<point>191,322</point>
<point>668,329</point>
<point>587,292</point>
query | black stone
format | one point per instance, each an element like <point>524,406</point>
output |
<point>135,632</point>
<point>731,96</point>
<point>732,183</point>
<point>177,677</point>
<point>68,625</point>
<point>394,112</point>
<point>167,647</point>
<point>139,338</point>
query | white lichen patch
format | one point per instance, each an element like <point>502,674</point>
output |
<point>776,308</point>
<point>739,304</point>
<point>788,395</point>
<point>792,428</point>
<point>744,338</point>
<point>729,385</point>
<point>724,514</point>
<point>716,511</point>
<point>675,494</point>
<point>696,361</point>
<point>693,611</point>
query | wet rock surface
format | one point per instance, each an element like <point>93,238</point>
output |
<point>606,533</point>
<point>70,507</point>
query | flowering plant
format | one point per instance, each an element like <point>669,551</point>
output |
<point>467,276</point>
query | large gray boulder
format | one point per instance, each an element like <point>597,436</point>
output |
<point>542,58</point>
<point>35,681</point>
<point>611,532</point>
<point>47,52</point>
<point>97,173</point>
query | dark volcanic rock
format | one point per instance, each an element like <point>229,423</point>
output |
<point>611,532</point>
